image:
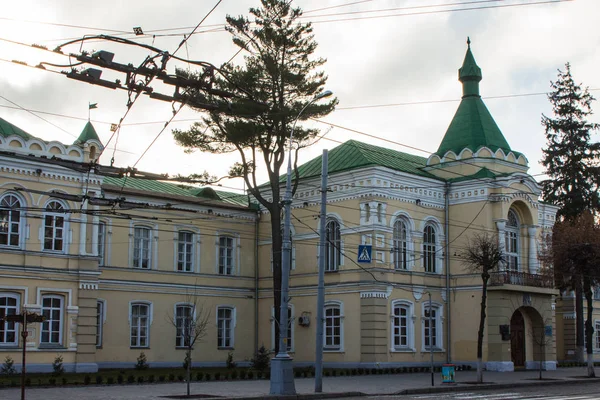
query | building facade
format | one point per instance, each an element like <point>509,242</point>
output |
<point>113,262</point>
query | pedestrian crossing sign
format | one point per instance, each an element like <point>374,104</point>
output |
<point>364,253</point>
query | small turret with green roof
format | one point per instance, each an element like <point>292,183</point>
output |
<point>88,133</point>
<point>472,126</point>
<point>90,142</point>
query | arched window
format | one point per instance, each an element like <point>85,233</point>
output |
<point>400,245</point>
<point>54,226</point>
<point>511,240</point>
<point>10,220</point>
<point>333,243</point>
<point>429,249</point>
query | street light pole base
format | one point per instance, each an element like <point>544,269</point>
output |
<point>282,375</point>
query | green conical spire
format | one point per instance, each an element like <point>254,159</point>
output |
<point>470,73</point>
<point>88,133</point>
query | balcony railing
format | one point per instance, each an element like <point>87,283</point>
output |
<point>521,278</point>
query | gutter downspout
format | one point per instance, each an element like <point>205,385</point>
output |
<point>447,261</point>
<point>256,282</point>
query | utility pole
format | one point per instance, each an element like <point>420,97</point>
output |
<point>321,284</point>
<point>430,338</point>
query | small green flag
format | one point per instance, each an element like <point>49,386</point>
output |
<point>93,105</point>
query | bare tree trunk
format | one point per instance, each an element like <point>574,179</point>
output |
<point>188,369</point>
<point>589,328</point>
<point>579,320</point>
<point>276,254</point>
<point>485,277</point>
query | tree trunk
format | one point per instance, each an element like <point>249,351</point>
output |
<point>485,277</point>
<point>542,351</point>
<point>589,328</point>
<point>188,370</point>
<point>579,320</point>
<point>276,234</point>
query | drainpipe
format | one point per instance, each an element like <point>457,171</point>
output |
<point>447,261</point>
<point>256,282</point>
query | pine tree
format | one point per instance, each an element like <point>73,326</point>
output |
<point>570,159</point>
<point>280,76</point>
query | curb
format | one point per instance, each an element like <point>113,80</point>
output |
<point>491,386</point>
<point>304,396</point>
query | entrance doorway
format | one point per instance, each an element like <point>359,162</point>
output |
<point>517,339</point>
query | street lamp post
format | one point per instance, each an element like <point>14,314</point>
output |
<point>282,373</point>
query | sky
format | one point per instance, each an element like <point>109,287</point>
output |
<point>391,63</point>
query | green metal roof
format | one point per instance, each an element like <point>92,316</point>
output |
<point>481,174</point>
<point>472,127</point>
<point>194,193</point>
<point>88,133</point>
<point>353,155</point>
<point>8,129</point>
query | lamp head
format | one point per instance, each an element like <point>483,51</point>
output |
<point>321,95</point>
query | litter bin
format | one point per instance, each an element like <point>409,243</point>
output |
<point>448,373</point>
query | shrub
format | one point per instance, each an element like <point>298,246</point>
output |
<point>99,379</point>
<point>110,380</point>
<point>87,379</point>
<point>151,378</point>
<point>161,378</point>
<point>142,362</point>
<point>243,374</point>
<point>326,372</point>
<point>334,373</point>
<point>268,375</point>
<point>130,379</point>
<point>180,378</point>
<point>28,381</point>
<point>57,366</point>
<point>8,368</point>
<point>229,362</point>
<point>52,381</point>
<point>297,373</point>
<point>207,376</point>
<point>360,371</point>
<point>217,376</point>
<point>234,374</point>
<point>200,376</point>
<point>140,379</point>
<point>261,359</point>
<point>250,375</point>
<point>120,378</point>
<point>171,377</point>
<point>13,383</point>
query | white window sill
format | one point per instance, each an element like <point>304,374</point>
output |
<point>333,351</point>
<point>435,350</point>
<point>405,350</point>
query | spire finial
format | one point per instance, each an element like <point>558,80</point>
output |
<point>468,42</point>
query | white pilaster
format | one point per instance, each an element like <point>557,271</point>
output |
<point>533,260</point>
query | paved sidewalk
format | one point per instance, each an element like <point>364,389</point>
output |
<point>350,386</point>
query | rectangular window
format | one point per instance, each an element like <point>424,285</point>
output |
<point>101,243</point>
<point>53,232</point>
<point>225,327</point>
<point>141,247</point>
<point>512,253</point>
<point>140,325</point>
<point>184,325</point>
<point>99,322</point>
<point>400,327</point>
<point>185,251</point>
<point>333,328</point>
<point>430,330</point>
<point>9,305</point>
<point>52,327</point>
<point>226,264</point>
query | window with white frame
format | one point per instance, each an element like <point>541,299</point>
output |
<point>54,226</point>
<point>333,242</point>
<point>400,245</point>
<point>334,327</point>
<point>10,221</point>
<point>226,255</point>
<point>511,240</point>
<point>184,320</point>
<point>402,326</point>
<point>432,327</point>
<point>140,325</point>
<point>225,326</point>
<point>142,246</point>
<point>429,249</point>
<point>102,243</point>
<point>52,327</point>
<point>100,310</point>
<point>9,305</point>
<point>185,251</point>
<point>290,330</point>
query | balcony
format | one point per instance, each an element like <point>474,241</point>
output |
<point>521,279</point>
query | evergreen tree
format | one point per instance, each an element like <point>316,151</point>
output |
<point>570,159</point>
<point>280,76</point>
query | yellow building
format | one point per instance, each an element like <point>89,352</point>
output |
<point>113,261</point>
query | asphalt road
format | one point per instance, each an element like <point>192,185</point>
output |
<point>558,392</point>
